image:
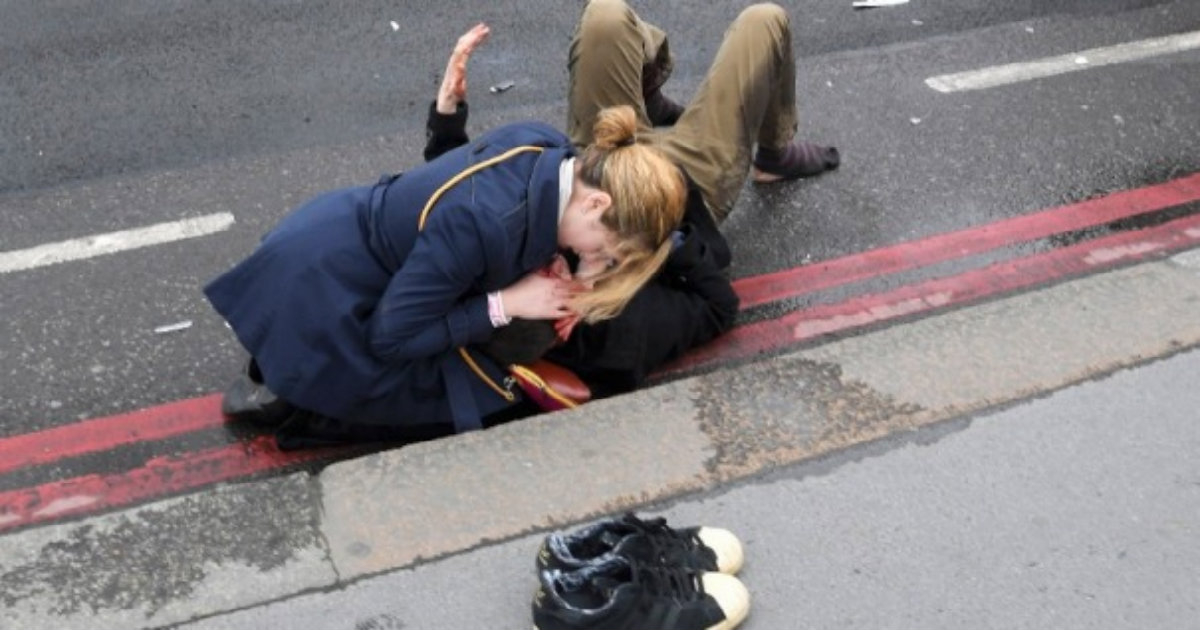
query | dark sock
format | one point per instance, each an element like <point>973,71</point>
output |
<point>662,111</point>
<point>797,159</point>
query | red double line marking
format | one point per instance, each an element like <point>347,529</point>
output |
<point>102,434</point>
<point>171,474</point>
<point>157,477</point>
<point>771,287</point>
<point>964,288</point>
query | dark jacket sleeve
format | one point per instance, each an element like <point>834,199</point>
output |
<point>704,227</point>
<point>689,303</point>
<point>444,132</point>
<point>692,299</point>
<point>428,306</point>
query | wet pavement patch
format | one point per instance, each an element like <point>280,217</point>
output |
<point>779,411</point>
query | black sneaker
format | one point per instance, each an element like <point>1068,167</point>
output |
<point>249,400</point>
<point>620,594</point>
<point>645,541</point>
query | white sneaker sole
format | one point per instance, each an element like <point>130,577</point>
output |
<point>728,548</point>
<point>731,596</point>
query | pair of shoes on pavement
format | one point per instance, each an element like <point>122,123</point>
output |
<point>632,574</point>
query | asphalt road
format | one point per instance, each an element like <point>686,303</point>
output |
<point>1053,512</point>
<point>133,86</point>
<point>130,113</point>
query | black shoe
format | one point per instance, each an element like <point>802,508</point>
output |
<point>619,594</point>
<point>248,399</point>
<point>644,541</point>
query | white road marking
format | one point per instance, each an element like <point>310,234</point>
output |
<point>1050,66</point>
<point>1106,255</point>
<point>64,504</point>
<point>812,327</point>
<point>113,242</point>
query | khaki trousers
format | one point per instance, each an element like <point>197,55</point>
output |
<point>748,96</point>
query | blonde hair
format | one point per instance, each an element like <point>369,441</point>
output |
<point>648,195</point>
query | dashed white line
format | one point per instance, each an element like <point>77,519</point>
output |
<point>113,242</point>
<point>1016,72</point>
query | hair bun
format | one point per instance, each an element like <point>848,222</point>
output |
<point>615,127</point>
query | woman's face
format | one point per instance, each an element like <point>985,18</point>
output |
<point>582,232</point>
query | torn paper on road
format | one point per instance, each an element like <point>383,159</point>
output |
<point>170,328</point>
<point>501,87</point>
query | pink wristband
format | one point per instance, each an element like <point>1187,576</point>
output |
<point>496,310</point>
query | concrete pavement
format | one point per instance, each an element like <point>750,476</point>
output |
<point>1080,509</point>
<point>248,544</point>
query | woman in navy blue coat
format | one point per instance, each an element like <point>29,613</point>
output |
<point>355,306</point>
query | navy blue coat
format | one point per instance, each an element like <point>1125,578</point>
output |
<point>354,313</point>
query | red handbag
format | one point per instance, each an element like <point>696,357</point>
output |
<point>551,386</point>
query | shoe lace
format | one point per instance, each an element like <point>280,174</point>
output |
<point>674,582</point>
<point>665,541</point>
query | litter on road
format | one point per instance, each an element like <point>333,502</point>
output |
<point>874,4</point>
<point>170,328</point>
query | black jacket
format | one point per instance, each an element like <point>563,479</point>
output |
<point>688,303</point>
